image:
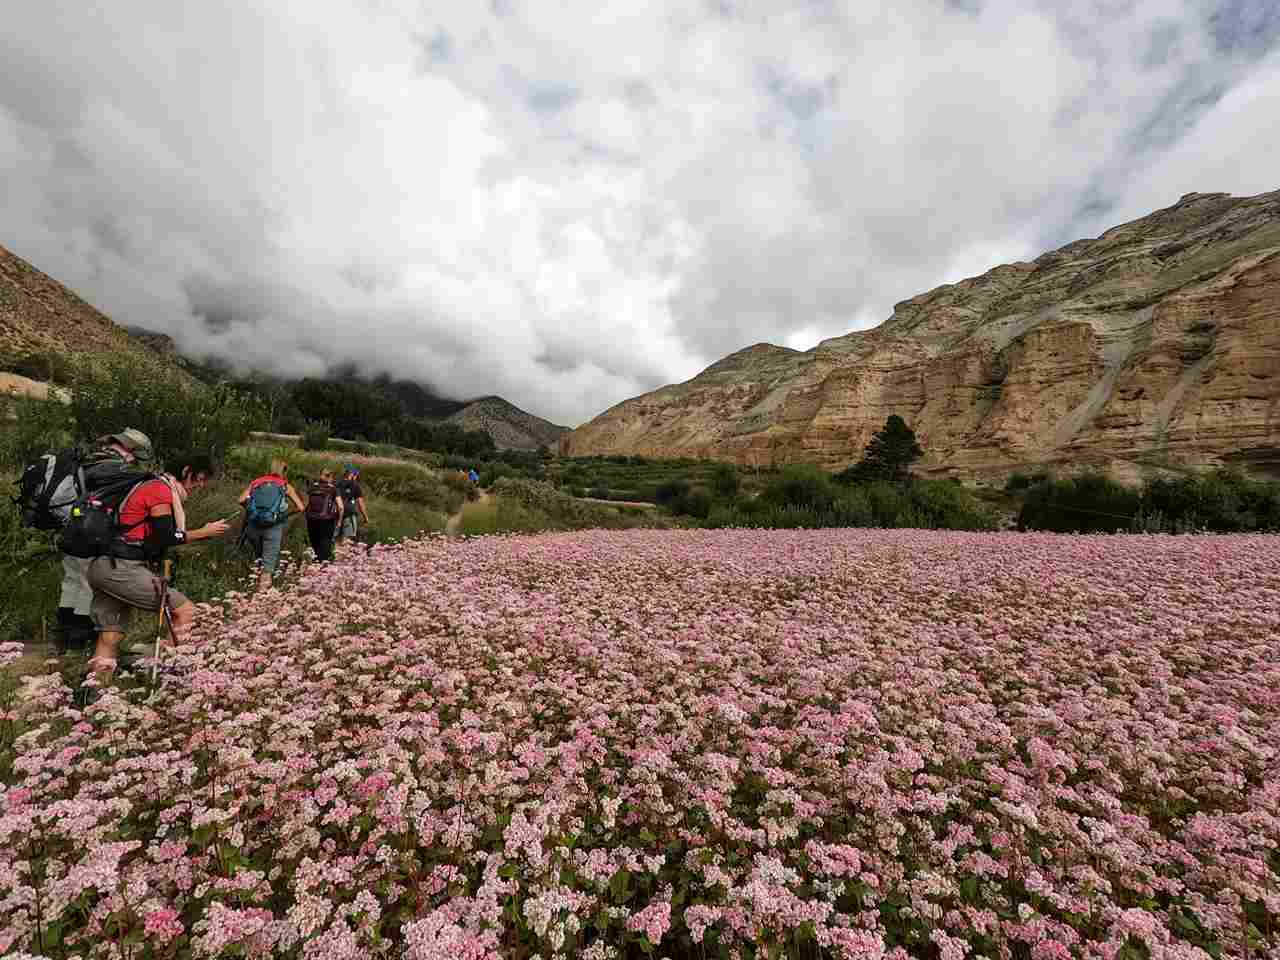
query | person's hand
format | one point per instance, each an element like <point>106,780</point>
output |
<point>215,528</point>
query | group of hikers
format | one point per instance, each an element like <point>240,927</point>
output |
<point>119,520</point>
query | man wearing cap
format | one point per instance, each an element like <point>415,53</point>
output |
<point>112,455</point>
<point>352,495</point>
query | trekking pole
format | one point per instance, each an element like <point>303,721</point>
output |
<point>164,601</point>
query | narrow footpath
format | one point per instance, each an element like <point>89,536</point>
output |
<point>455,521</point>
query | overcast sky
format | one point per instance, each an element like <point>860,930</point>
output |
<point>570,202</point>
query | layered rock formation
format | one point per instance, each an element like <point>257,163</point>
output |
<point>1153,347</point>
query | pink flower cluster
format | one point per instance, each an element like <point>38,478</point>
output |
<point>847,744</point>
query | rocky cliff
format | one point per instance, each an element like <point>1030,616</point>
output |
<point>1156,345</point>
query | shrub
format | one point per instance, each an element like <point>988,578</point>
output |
<point>315,435</point>
<point>177,414</point>
<point>1091,503</point>
<point>695,503</point>
<point>801,486</point>
<point>599,492</point>
<point>668,493</point>
<point>1222,501</point>
<point>724,481</point>
<point>42,426</point>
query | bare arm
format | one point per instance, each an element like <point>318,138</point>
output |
<point>364,513</point>
<point>297,501</point>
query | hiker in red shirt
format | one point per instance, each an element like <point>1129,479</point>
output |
<point>151,521</point>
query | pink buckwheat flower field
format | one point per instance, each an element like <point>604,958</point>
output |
<point>837,744</point>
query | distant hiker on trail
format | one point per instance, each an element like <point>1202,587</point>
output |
<point>49,488</point>
<point>147,519</point>
<point>324,514</point>
<point>352,503</point>
<point>266,516</point>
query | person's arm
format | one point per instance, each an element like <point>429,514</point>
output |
<point>341,510</point>
<point>364,513</point>
<point>244,497</point>
<point>164,530</point>
<point>297,501</point>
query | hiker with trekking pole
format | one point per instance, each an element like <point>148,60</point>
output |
<point>125,530</point>
<point>48,488</point>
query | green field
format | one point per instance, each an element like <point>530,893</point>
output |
<point>638,478</point>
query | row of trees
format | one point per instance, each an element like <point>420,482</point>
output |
<point>1219,502</point>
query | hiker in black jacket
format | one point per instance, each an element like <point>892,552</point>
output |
<point>352,503</point>
<point>324,514</point>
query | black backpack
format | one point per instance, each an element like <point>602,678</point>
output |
<point>94,523</point>
<point>49,487</point>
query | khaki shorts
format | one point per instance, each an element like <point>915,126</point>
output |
<point>122,586</point>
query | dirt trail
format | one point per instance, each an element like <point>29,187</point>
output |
<point>455,521</point>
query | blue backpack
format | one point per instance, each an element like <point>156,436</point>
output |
<point>268,504</point>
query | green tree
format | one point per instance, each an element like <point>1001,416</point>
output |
<point>890,453</point>
<point>724,481</point>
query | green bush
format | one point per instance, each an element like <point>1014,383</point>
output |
<point>42,426</point>
<point>801,499</point>
<point>315,435</point>
<point>1091,503</point>
<point>802,486</point>
<point>1222,501</point>
<point>599,492</point>
<point>177,414</point>
<point>695,503</point>
<point>724,481</point>
<point>670,492</point>
<point>1022,481</point>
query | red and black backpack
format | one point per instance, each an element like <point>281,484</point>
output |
<point>322,501</point>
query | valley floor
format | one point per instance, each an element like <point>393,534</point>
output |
<point>837,743</point>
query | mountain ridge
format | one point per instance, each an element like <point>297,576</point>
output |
<point>1092,355</point>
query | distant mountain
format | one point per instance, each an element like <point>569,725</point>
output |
<point>510,427</point>
<point>417,400</point>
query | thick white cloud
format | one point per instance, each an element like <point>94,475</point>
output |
<point>571,203</point>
